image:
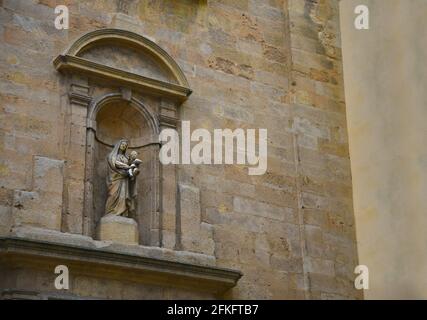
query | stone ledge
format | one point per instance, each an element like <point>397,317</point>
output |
<point>53,236</point>
<point>109,263</point>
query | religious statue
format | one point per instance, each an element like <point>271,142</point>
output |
<point>121,180</point>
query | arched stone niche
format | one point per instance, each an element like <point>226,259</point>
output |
<point>120,84</point>
<point>110,118</point>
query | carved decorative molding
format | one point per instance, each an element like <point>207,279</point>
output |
<point>79,99</point>
<point>71,61</point>
<point>167,121</point>
<point>153,86</point>
<point>115,265</point>
<point>79,93</point>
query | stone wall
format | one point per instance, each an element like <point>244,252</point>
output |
<point>251,64</point>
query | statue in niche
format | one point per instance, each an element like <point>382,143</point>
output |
<point>121,180</point>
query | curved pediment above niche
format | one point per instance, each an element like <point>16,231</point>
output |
<point>126,59</point>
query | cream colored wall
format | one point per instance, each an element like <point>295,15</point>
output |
<point>385,73</point>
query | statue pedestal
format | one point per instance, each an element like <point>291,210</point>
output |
<point>118,229</point>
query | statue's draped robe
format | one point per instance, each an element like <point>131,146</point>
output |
<point>121,188</point>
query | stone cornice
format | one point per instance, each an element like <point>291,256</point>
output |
<point>69,63</point>
<point>122,266</point>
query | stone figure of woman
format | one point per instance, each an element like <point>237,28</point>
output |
<point>120,185</point>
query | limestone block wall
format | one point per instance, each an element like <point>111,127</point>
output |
<point>251,64</point>
<point>41,206</point>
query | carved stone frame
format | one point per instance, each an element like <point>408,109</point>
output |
<point>149,234</point>
<point>81,75</point>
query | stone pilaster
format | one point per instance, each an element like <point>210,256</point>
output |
<point>75,142</point>
<point>169,221</point>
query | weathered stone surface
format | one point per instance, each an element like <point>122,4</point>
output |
<point>42,206</point>
<point>250,64</point>
<point>5,219</point>
<point>195,235</point>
